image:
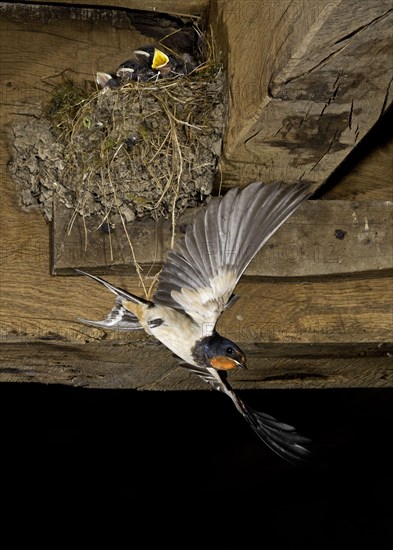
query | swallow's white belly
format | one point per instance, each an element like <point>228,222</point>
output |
<point>177,331</point>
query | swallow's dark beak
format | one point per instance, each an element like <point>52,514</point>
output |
<point>241,365</point>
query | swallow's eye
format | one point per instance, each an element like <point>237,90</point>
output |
<point>229,350</point>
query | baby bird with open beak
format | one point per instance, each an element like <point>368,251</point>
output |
<point>146,64</point>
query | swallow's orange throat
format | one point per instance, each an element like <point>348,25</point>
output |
<point>223,363</point>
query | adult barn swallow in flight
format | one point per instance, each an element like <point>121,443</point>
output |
<point>196,285</point>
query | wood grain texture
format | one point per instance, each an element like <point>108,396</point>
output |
<point>177,7</point>
<point>367,173</point>
<point>335,312</point>
<point>322,238</point>
<point>152,367</point>
<point>308,80</point>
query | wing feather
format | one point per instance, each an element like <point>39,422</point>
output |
<point>203,269</point>
<point>281,438</point>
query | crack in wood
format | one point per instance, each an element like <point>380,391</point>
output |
<point>279,85</point>
<point>361,28</point>
<point>350,116</point>
<point>327,150</point>
<point>385,99</point>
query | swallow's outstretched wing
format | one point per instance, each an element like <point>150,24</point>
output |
<point>281,438</point>
<point>203,268</point>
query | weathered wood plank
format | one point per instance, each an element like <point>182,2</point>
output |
<point>175,7</point>
<point>322,238</point>
<point>332,311</point>
<point>336,311</point>
<point>318,78</point>
<point>367,173</point>
<point>152,367</point>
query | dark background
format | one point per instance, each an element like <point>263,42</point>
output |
<point>119,449</point>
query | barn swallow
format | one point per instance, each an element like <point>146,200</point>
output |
<point>196,285</point>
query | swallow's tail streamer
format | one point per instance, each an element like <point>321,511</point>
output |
<point>281,438</point>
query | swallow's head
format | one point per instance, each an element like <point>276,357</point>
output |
<point>106,80</point>
<point>127,70</point>
<point>219,353</point>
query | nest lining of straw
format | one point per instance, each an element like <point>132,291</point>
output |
<point>146,149</point>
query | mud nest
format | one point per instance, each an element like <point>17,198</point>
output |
<point>145,149</point>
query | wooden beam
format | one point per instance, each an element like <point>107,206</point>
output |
<point>322,238</point>
<point>307,81</point>
<point>366,174</point>
<point>175,7</point>
<point>152,367</point>
<point>331,311</point>
<point>315,334</point>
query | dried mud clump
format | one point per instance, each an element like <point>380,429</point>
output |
<point>145,149</point>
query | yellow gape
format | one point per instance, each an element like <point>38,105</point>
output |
<point>160,59</point>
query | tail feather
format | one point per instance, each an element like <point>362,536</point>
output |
<point>279,437</point>
<point>119,318</point>
<point>114,289</point>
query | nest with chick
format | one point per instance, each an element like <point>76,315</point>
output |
<point>141,149</point>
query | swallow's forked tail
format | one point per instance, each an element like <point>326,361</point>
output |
<point>279,437</point>
<point>119,318</point>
